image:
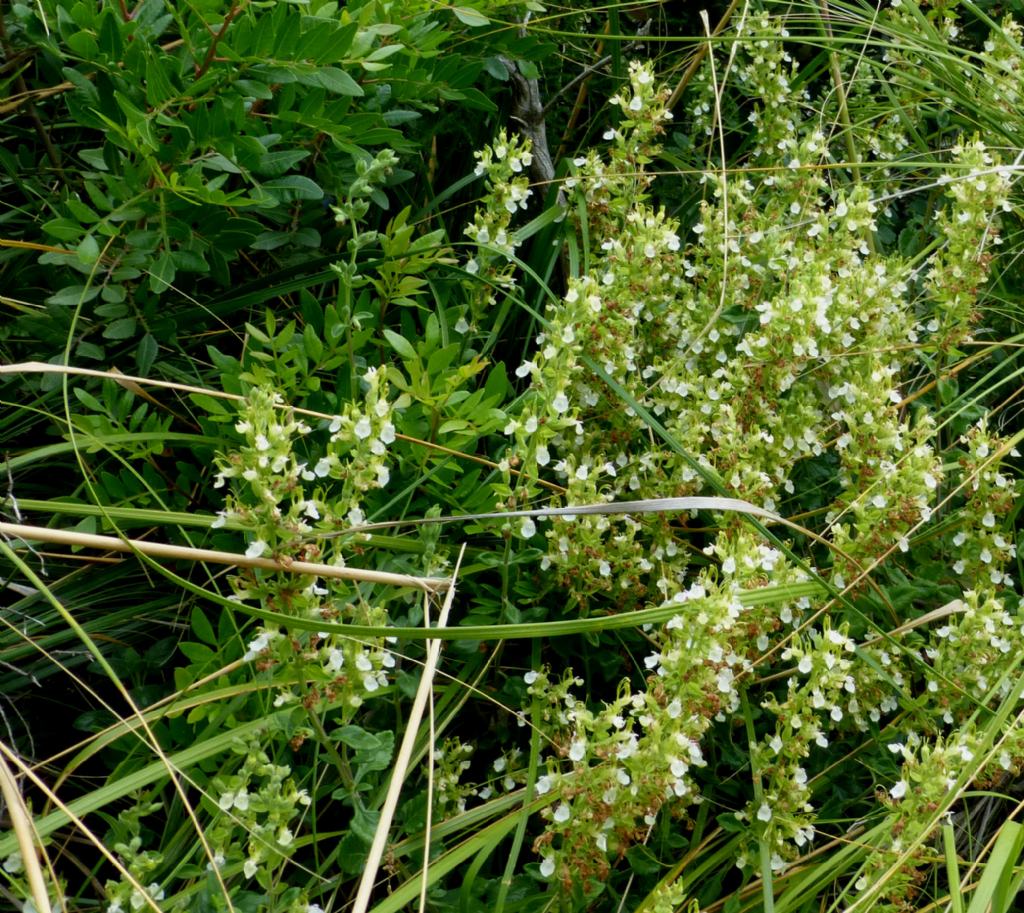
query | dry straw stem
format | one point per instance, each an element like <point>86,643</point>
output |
<point>182,553</point>
<point>8,755</point>
<point>387,812</point>
<point>21,822</point>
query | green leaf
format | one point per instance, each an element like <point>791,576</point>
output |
<point>496,68</point>
<point>123,328</point>
<point>400,344</point>
<point>364,823</point>
<point>90,350</point>
<point>197,653</point>
<point>202,627</point>
<point>378,758</point>
<point>146,353</point>
<point>63,229</point>
<point>83,45</point>
<point>277,162</point>
<point>73,294</point>
<point>293,187</point>
<point>357,738</point>
<point>314,347</point>
<point>82,212</point>
<point>254,88</point>
<point>88,400</point>
<point>88,250</point>
<point>334,80</point>
<point>158,84</point>
<point>161,273</point>
<point>470,17</point>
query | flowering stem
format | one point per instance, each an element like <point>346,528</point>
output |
<point>344,769</point>
<point>531,779</point>
<point>764,850</point>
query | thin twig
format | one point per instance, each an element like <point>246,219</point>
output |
<point>21,822</point>
<point>698,57</point>
<point>387,812</point>
<point>232,13</point>
<point>183,553</point>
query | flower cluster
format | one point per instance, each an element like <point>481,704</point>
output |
<point>255,827</point>
<point>371,173</point>
<point>504,164</point>
<point>122,896</point>
<point>281,496</point>
<point>978,189</point>
<point>452,789</point>
<point>927,783</point>
<point>983,546</point>
<point>772,344</point>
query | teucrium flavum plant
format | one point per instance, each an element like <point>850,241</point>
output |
<point>776,336</point>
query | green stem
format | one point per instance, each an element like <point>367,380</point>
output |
<point>344,770</point>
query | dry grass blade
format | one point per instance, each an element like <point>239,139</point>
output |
<point>183,553</point>
<point>147,900</point>
<point>387,812</point>
<point>21,822</point>
<point>646,506</point>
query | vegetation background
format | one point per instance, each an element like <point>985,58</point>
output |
<point>280,280</point>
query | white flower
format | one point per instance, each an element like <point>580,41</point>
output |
<point>528,528</point>
<point>530,677</point>
<point>250,867</point>
<point>764,813</point>
<point>363,428</point>
<point>257,645</point>
<point>577,750</point>
<point>562,813</point>
<point>547,867</point>
<point>560,403</point>
<point>899,790</point>
<point>256,549</point>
